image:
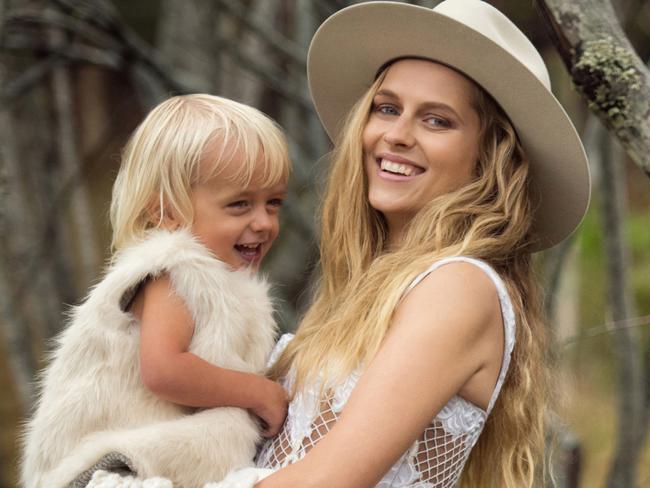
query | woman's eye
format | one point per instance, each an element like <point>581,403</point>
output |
<point>386,109</point>
<point>437,121</point>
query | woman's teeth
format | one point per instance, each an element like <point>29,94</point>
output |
<point>397,168</point>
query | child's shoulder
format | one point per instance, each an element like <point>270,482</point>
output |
<point>162,252</point>
<point>190,266</point>
<point>163,249</point>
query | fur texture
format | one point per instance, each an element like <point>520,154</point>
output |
<point>92,398</point>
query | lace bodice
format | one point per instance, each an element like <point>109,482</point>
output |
<point>436,459</point>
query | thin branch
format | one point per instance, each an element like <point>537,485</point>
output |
<point>116,46</point>
<point>276,80</point>
<point>272,37</point>
<point>609,328</point>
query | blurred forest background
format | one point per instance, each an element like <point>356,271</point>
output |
<point>76,77</point>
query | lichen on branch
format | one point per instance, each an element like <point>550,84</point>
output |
<point>607,75</point>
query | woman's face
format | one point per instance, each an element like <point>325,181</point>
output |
<point>421,139</point>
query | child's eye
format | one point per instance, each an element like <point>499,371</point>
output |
<point>238,204</point>
<point>275,202</point>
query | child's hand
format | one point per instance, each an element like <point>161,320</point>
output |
<point>272,409</point>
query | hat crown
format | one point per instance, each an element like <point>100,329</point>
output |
<point>492,24</point>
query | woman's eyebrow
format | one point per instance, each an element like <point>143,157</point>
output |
<point>384,92</point>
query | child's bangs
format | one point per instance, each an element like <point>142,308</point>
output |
<point>259,148</point>
<point>273,156</point>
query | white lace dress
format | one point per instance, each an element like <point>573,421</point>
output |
<point>436,459</point>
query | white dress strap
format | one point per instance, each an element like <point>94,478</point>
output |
<point>279,348</point>
<point>507,312</point>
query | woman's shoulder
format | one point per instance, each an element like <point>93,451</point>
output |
<point>464,267</point>
<point>468,293</point>
<point>455,291</point>
<point>471,278</point>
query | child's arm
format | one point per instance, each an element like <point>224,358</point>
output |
<point>178,376</point>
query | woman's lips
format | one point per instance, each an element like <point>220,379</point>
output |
<point>397,168</point>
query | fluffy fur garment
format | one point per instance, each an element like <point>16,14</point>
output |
<point>92,398</point>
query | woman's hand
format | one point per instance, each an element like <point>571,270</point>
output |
<point>271,407</point>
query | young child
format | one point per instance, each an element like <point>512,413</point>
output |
<point>180,323</point>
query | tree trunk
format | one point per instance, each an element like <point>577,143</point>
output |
<point>77,229</point>
<point>605,69</point>
<point>32,294</point>
<point>623,473</point>
<point>15,331</point>
<point>187,40</point>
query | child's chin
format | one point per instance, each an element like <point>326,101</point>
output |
<point>252,265</point>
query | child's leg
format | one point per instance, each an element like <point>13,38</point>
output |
<point>190,451</point>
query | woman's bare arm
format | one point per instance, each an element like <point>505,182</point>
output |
<point>446,331</point>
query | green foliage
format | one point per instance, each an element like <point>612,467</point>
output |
<point>593,289</point>
<point>592,270</point>
<point>639,239</point>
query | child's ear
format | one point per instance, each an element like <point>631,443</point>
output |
<point>162,216</point>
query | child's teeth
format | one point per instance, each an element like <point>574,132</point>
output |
<point>396,167</point>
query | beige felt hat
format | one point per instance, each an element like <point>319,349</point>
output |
<point>476,39</point>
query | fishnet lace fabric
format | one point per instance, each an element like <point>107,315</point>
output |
<point>435,460</point>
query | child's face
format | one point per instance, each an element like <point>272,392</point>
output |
<point>238,224</point>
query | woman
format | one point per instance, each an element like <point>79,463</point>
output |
<point>454,165</point>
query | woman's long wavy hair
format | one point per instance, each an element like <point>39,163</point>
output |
<point>362,282</point>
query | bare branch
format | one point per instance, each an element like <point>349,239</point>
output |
<point>272,37</point>
<point>96,37</point>
<point>274,78</point>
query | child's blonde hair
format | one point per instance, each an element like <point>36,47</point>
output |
<point>160,163</point>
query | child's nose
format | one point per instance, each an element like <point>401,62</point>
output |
<point>262,221</point>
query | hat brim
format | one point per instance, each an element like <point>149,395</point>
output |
<point>353,44</point>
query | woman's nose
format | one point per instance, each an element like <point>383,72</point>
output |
<point>400,133</point>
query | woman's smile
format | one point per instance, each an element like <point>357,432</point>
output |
<point>397,168</point>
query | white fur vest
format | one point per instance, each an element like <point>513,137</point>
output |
<point>93,401</point>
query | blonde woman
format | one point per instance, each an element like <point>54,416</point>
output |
<point>421,361</point>
<point>180,323</point>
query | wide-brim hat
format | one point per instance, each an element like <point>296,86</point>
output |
<point>473,37</point>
